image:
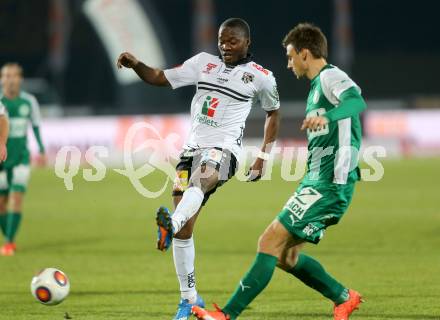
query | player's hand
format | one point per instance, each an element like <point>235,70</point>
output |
<point>41,160</point>
<point>314,123</point>
<point>3,153</point>
<point>255,171</point>
<point>127,60</point>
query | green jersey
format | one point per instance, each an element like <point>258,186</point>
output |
<point>333,149</point>
<point>22,111</point>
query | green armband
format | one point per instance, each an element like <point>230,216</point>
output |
<point>351,104</point>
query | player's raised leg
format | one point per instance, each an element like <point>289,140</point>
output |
<point>204,178</point>
<point>183,243</point>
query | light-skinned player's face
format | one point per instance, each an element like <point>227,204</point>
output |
<point>296,62</point>
<point>232,44</point>
<point>11,79</point>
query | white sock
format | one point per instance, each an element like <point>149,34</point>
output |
<point>189,205</point>
<point>184,254</point>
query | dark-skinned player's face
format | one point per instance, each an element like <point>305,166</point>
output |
<point>232,44</point>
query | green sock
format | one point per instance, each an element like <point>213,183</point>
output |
<point>255,280</point>
<point>13,222</point>
<point>3,222</point>
<point>313,274</point>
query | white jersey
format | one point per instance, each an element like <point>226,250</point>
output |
<point>2,109</point>
<point>224,98</point>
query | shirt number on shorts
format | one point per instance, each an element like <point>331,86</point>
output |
<point>300,202</point>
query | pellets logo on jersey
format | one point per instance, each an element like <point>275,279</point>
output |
<point>209,106</point>
<point>209,67</point>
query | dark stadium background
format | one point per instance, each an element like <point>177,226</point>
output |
<point>395,45</point>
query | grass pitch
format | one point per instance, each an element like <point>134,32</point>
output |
<point>102,234</point>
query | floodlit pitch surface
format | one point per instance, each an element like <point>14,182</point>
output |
<point>102,234</point>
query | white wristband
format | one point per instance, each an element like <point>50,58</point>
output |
<point>263,155</point>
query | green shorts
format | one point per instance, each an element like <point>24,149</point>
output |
<point>14,179</point>
<point>313,208</point>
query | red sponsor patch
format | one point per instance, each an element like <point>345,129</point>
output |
<point>209,67</point>
<point>260,68</point>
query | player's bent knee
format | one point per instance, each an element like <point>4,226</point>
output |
<point>274,240</point>
<point>206,178</point>
<point>16,201</point>
<point>3,208</point>
<point>185,233</point>
<point>268,244</point>
<point>205,184</point>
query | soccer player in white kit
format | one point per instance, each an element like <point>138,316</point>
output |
<point>228,86</point>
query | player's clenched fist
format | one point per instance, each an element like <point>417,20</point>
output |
<point>126,60</point>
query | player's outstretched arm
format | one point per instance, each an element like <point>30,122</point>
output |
<point>271,127</point>
<point>153,76</point>
<point>4,131</point>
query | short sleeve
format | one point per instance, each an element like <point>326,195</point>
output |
<point>2,109</point>
<point>334,82</point>
<point>184,75</point>
<point>268,94</point>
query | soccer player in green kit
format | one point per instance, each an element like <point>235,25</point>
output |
<point>22,108</point>
<point>334,136</point>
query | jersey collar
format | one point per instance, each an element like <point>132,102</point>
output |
<point>327,66</point>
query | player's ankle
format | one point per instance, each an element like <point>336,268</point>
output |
<point>192,297</point>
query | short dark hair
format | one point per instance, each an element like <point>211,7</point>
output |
<point>307,36</point>
<point>239,24</point>
<point>12,65</point>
